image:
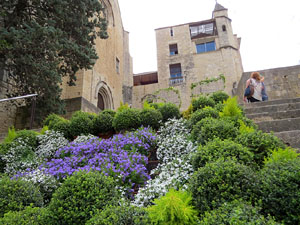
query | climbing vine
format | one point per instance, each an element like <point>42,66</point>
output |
<point>176,91</point>
<point>207,81</point>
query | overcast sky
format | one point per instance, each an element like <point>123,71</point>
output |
<point>270,29</point>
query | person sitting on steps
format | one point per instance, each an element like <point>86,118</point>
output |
<point>257,81</point>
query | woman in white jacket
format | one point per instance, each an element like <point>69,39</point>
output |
<point>256,81</point>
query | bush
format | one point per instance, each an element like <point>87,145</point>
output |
<point>63,126</point>
<point>219,96</point>
<point>51,120</point>
<point>151,117</point>
<point>15,195</point>
<point>236,212</point>
<point>222,181</point>
<point>29,137</point>
<point>260,144</point>
<point>30,215</point>
<point>81,123</point>
<point>281,155</point>
<point>169,111</point>
<point>210,128</point>
<point>280,191</point>
<point>217,148</point>
<point>201,114</point>
<point>173,208</point>
<point>102,123</point>
<point>231,108</point>
<point>123,214</point>
<point>11,135</point>
<point>127,119</point>
<point>201,102</point>
<point>109,111</point>
<point>81,196</point>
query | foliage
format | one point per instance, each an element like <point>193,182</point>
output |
<point>231,108</point>
<point>11,135</point>
<point>147,105</point>
<point>46,41</point>
<point>201,102</point>
<point>16,194</point>
<point>219,96</point>
<point>109,111</point>
<point>217,148</point>
<point>49,143</point>
<point>30,215</point>
<point>260,144</point>
<point>236,212</point>
<point>63,126</point>
<point>244,128</point>
<point>203,113</point>
<point>280,191</point>
<point>210,128</point>
<point>81,196</point>
<point>51,119</point>
<point>123,214</point>
<point>28,136</point>
<point>187,113</point>
<point>85,139</point>
<point>123,107</point>
<point>173,209</point>
<point>173,174</point>
<point>102,123</point>
<point>222,181</point>
<point>169,89</point>
<point>169,111</point>
<point>281,155</point>
<point>44,129</point>
<point>81,123</point>
<point>127,119</point>
<point>150,117</point>
<point>173,127</point>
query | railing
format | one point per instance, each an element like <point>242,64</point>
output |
<point>33,96</point>
<point>176,80</point>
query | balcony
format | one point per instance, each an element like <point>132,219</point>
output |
<point>173,81</point>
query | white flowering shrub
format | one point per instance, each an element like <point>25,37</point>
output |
<point>84,138</point>
<point>174,174</point>
<point>19,157</point>
<point>49,143</point>
<point>173,127</point>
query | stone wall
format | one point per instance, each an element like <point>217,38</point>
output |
<point>280,83</point>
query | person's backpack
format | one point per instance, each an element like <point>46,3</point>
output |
<point>249,91</point>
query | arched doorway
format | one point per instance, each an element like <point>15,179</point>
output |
<point>104,96</point>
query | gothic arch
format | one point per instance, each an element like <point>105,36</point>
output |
<point>108,12</point>
<point>104,97</point>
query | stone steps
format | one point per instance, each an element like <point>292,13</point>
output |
<point>282,117</point>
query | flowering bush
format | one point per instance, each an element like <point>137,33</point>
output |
<point>114,157</point>
<point>84,138</point>
<point>49,143</point>
<point>174,174</point>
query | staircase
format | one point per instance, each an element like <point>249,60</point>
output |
<point>279,116</point>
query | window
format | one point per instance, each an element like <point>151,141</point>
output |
<point>175,70</point>
<point>117,66</point>
<point>206,47</point>
<point>207,29</point>
<point>224,28</point>
<point>171,32</point>
<point>173,49</point>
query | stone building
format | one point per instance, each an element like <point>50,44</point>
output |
<point>190,53</point>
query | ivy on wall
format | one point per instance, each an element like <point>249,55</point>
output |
<point>207,81</point>
<point>169,89</point>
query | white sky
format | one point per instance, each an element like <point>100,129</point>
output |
<point>270,29</point>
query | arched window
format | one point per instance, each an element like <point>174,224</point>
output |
<point>108,12</point>
<point>224,28</point>
<point>100,103</point>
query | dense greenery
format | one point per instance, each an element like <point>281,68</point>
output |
<point>127,119</point>
<point>43,41</point>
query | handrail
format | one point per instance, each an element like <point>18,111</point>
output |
<point>19,97</point>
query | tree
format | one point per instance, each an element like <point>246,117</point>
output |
<point>46,40</point>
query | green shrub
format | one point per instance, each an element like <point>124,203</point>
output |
<point>109,111</point>
<point>260,144</point>
<point>11,135</point>
<point>217,148</point>
<point>30,215</point>
<point>201,102</point>
<point>203,113</point>
<point>173,208</point>
<point>210,128</point>
<point>151,117</point>
<point>15,195</point>
<point>123,214</point>
<point>51,120</point>
<point>280,192</point>
<point>127,119</point>
<point>219,96</point>
<point>156,105</point>
<point>81,196</point>
<point>281,155</point>
<point>236,212</point>
<point>231,108</point>
<point>222,181</point>
<point>81,123</point>
<point>29,137</point>
<point>169,111</point>
<point>63,126</point>
<point>219,107</point>
<point>4,148</point>
<point>102,123</point>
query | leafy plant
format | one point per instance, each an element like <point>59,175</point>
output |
<point>127,119</point>
<point>63,126</point>
<point>81,196</point>
<point>169,111</point>
<point>81,123</point>
<point>217,148</point>
<point>123,107</point>
<point>51,119</point>
<point>174,208</point>
<point>201,102</point>
<point>15,195</point>
<point>203,113</point>
<point>281,155</point>
<point>187,113</point>
<point>222,181</point>
<point>11,135</point>
<point>231,108</point>
<point>102,123</point>
<point>219,96</point>
<point>150,117</point>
